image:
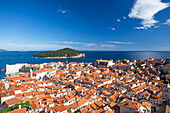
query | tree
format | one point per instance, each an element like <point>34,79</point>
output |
<point>27,104</point>
<point>6,110</point>
<point>17,105</point>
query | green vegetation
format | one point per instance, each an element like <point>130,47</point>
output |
<point>69,111</point>
<point>134,65</point>
<point>6,110</point>
<point>16,106</point>
<point>156,64</point>
<point>59,53</point>
<point>124,62</point>
<point>23,104</point>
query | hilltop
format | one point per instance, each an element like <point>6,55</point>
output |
<point>60,54</point>
<point>2,50</point>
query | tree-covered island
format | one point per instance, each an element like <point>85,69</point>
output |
<point>2,50</point>
<point>60,54</point>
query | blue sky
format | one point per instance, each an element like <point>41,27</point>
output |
<point>111,25</point>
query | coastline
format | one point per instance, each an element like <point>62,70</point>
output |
<point>79,56</point>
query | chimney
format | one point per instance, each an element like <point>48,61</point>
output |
<point>45,109</point>
<point>132,99</point>
<point>19,106</point>
<point>40,102</point>
<point>67,65</point>
<point>30,73</point>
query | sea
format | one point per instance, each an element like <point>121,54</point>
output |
<point>13,57</point>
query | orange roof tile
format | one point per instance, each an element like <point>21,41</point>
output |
<point>22,110</point>
<point>112,104</point>
<point>13,101</point>
<point>81,102</point>
<point>99,103</point>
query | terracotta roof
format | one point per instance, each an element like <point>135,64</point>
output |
<point>50,101</point>
<point>130,104</point>
<point>93,106</point>
<point>108,111</point>
<point>60,108</point>
<point>99,103</point>
<point>73,106</point>
<point>13,101</point>
<point>81,102</point>
<point>22,110</point>
<point>17,78</point>
<point>167,76</point>
<point>33,106</point>
<point>112,104</point>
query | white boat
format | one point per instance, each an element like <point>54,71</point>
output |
<point>23,51</point>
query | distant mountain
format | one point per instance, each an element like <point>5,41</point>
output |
<point>60,54</point>
<point>2,50</point>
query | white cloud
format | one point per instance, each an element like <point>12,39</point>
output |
<point>66,42</point>
<point>167,22</point>
<point>140,28</point>
<point>156,26</point>
<point>118,20</point>
<point>124,17</point>
<point>108,45</point>
<point>55,45</point>
<point>13,46</point>
<point>91,44</point>
<point>64,12</point>
<point>19,46</point>
<point>145,10</point>
<point>81,43</point>
<point>118,42</point>
<point>113,29</point>
<point>165,48</point>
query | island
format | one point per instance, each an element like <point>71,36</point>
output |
<point>2,50</point>
<point>60,54</point>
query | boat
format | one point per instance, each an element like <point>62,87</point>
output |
<point>23,51</point>
<point>3,70</point>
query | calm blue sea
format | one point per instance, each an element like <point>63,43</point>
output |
<point>13,57</point>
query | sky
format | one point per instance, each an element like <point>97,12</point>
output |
<point>88,25</point>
